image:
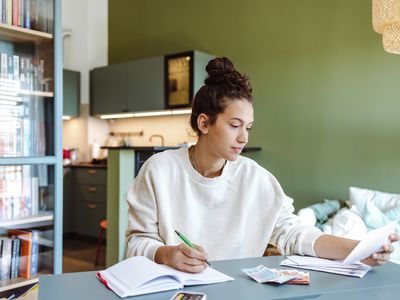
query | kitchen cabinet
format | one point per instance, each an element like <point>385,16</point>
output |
<point>146,84</point>
<point>142,85</point>
<point>184,76</point>
<point>71,93</point>
<point>85,207</point>
<point>127,87</point>
<point>109,89</point>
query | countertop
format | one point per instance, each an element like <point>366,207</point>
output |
<point>159,148</point>
<point>85,165</point>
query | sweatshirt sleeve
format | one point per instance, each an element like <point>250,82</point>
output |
<point>290,236</point>
<point>142,233</point>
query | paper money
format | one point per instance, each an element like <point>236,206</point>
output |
<point>262,274</point>
<point>302,278</point>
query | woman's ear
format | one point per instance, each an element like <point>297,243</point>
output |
<point>203,123</point>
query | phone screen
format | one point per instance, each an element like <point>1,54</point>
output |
<point>189,296</point>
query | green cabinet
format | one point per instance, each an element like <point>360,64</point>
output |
<point>140,85</point>
<point>71,93</point>
<point>146,84</point>
<point>85,193</point>
<point>109,89</point>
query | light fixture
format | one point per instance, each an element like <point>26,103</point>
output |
<point>116,116</point>
<point>386,21</point>
<point>66,118</point>
<point>153,113</point>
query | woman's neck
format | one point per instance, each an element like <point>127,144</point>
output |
<point>204,162</point>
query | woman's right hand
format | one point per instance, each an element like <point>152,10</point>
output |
<point>182,257</point>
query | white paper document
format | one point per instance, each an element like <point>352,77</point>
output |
<point>351,265</point>
<point>326,265</point>
<point>372,242</point>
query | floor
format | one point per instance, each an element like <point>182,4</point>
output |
<point>79,255</point>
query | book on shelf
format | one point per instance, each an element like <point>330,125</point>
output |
<point>5,261</point>
<point>19,254</point>
<point>138,275</point>
<point>42,15</point>
<point>24,72</point>
<point>22,13</point>
<point>3,11</point>
<point>15,12</point>
<point>15,258</point>
<point>4,66</point>
<point>34,253</point>
<point>9,12</point>
<point>25,251</point>
<point>19,191</point>
<point>31,14</point>
<point>27,14</point>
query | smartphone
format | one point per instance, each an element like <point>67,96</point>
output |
<point>189,296</point>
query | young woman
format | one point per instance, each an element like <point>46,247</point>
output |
<point>225,202</point>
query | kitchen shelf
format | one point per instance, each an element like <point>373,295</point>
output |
<point>18,34</point>
<point>14,283</point>
<point>35,220</point>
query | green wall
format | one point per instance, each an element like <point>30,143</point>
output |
<point>327,96</point>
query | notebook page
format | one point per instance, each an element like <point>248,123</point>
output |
<point>209,275</point>
<point>134,272</point>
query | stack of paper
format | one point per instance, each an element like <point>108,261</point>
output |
<point>326,265</point>
<point>351,265</point>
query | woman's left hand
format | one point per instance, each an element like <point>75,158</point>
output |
<point>381,257</point>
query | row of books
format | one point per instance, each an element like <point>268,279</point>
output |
<point>32,14</point>
<point>24,127</point>
<point>25,73</point>
<point>19,254</point>
<point>20,191</point>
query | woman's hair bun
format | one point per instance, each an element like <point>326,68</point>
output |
<point>223,84</point>
<point>220,70</point>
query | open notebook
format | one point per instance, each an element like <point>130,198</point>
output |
<point>138,275</point>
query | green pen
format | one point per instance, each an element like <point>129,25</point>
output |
<point>187,242</point>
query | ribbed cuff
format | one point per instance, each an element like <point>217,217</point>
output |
<point>151,250</point>
<point>309,238</point>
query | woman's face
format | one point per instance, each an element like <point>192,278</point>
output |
<point>230,132</point>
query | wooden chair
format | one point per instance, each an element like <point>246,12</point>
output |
<point>103,227</point>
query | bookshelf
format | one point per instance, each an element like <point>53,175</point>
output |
<point>30,142</point>
<point>18,34</point>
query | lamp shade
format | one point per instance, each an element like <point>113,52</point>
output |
<point>384,12</point>
<point>386,21</point>
<point>391,38</point>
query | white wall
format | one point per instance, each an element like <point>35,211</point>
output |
<point>175,130</point>
<point>85,49</point>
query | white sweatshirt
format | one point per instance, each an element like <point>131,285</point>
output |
<point>231,216</point>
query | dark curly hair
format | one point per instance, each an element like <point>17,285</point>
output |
<point>223,84</point>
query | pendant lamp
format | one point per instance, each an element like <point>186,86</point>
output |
<point>386,21</point>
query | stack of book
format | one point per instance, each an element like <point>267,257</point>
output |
<point>21,72</point>
<point>19,254</point>
<point>23,121</point>
<point>31,14</point>
<point>19,193</point>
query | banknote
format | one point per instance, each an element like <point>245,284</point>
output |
<point>262,274</point>
<point>302,277</point>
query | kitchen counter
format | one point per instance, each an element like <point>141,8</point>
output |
<point>86,165</point>
<point>159,148</point>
